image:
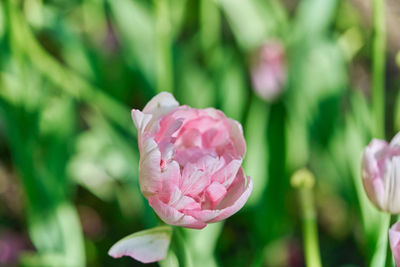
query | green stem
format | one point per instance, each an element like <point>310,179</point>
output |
<point>304,181</point>
<point>378,67</point>
<point>180,249</point>
<point>389,256</point>
<point>163,47</point>
<point>381,246</point>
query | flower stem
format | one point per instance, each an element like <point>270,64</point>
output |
<point>378,67</point>
<point>379,252</point>
<point>389,256</point>
<point>304,181</point>
<point>179,247</point>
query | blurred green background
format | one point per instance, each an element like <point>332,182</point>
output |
<point>71,70</point>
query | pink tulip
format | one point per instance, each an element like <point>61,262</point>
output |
<point>394,239</point>
<point>268,74</point>
<point>381,174</point>
<point>190,162</point>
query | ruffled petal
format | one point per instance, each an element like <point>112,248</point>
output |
<point>196,177</point>
<point>140,120</point>
<point>150,178</point>
<point>235,199</point>
<point>227,174</point>
<point>215,192</point>
<point>172,216</point>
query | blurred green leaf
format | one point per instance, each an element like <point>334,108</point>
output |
<point>232,86</point>
<point>196,87</point>
<point>256,160</point>
<point>103,159</point>
<point>313,18</point>
<point>250,26</point>
<point>136,26</point>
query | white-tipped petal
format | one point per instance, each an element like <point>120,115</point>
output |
<point>145,246</point>
<point>141,120</point>
<point>160,104</point>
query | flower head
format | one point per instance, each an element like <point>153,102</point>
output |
<point>190,162</point>
<point>381,174</point>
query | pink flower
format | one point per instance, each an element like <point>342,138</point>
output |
<point>268,74</point>
<point>381,174</point>
<point>394,239</point>
<point>190,162</point>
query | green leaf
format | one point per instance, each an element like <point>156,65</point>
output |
<point>136,26</point>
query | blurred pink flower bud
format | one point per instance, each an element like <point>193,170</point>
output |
<point>381,174</point>
<point>268,74</point>
<point>190,162</point>
<point>394,239</point>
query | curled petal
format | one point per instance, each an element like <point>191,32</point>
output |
<point>141,120</point>
<point>150,178</point>
<point>395,143</point>
<point>227,174</point>
<point>172,216</point>
<point>373,173</point>
<point>237,137</point>
<point>215,192</point>
<point>145,246</point>
<point>160,104</point>
<point>375,190</point>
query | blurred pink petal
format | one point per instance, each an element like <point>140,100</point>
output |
<point>381,174</point>
<point>145,246</point>
<point>394,239</point>
<point>268,74</point>
<point>190,162</point>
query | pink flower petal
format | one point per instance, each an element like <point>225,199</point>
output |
<point>373,173</point>
<point>394,239</point>
<point>214,193</point>
<point>395,143</point>
<point>227,174</point>
<point>172,216</point>
<point>160,104</point>
<point>192,154</point>
<point>141,120</point>
<point>237,137</point>
<point>235,199</point>
<point>196,177</point>
<point>150,177</point>
<point>145,246</point>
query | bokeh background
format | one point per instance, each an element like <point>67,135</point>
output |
<point>295,73</point>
